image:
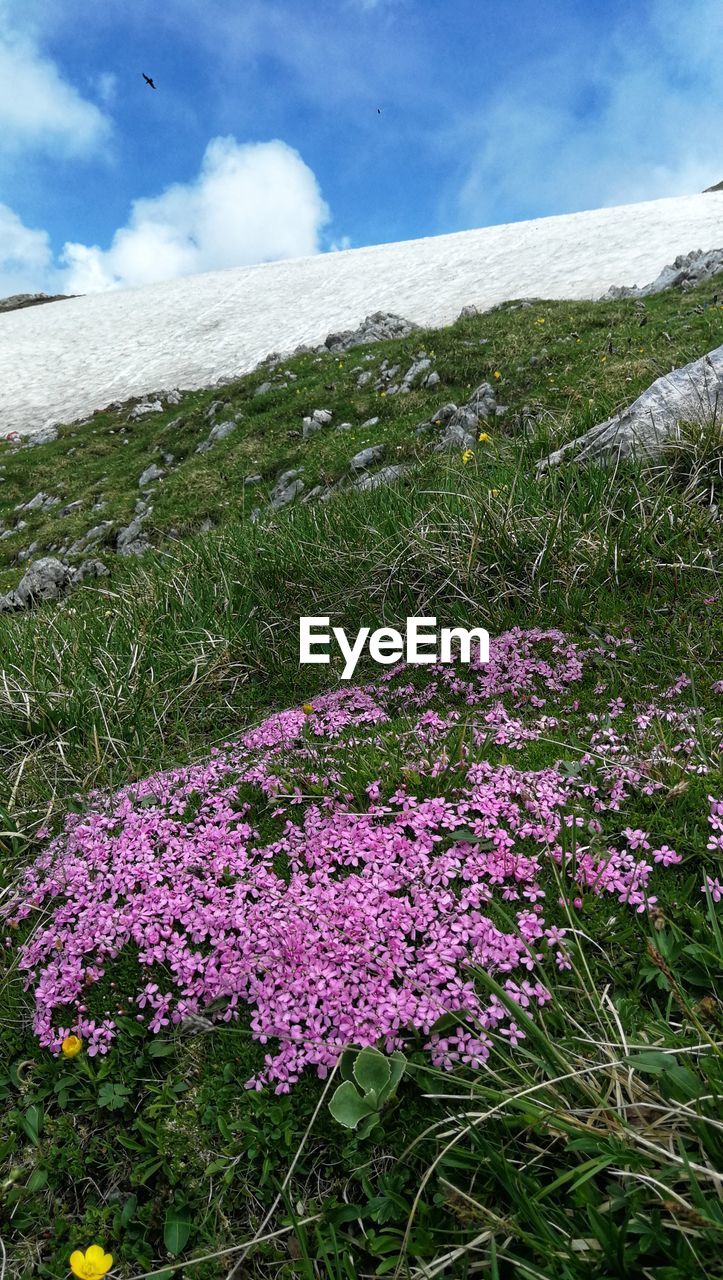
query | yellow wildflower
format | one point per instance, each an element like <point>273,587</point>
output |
<point>71,1046</point>
<point>483,437</point>
<point>540,320</point>
<point>497,374</point>
<point>467,456</point>
<point>307,708</point>
<point>91,1265</point>
<point>494,493</point>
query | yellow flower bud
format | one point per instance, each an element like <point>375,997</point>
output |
<point>71,1046</point>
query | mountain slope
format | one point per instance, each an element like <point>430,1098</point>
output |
<point>87,352</point>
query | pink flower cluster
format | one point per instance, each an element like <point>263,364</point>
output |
<point>363,920</point>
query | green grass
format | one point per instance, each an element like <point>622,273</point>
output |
<point>594,1151</point>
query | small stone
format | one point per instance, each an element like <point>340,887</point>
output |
<point>150,475</point>
<point>322,416</point>
<point>221,431</point>
<point>44,580</point>
<point>387,475</point>
<point>309,427</point>
<point>89,569</point>
<point>147,406</point>
<point>45,435</point>
<point>313,494</point>
<point>367,457</point>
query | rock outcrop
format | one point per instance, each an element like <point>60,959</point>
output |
<point>688,270</point>
<point>693,393</point>
<point>48,579</point>
<point>17,301</point>
<point>378,327</point>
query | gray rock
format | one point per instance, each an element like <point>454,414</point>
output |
<point>18,301</point>
<point>132,541</point>
<point>47,579</point>
<point>72,506</point>
<point>146,406</point>
<point>252,480</point>
<point>688,270</point>
<point>45,435</point>
<point>322,416</point>
<point>150,475</point>
<point>206,526</point>
<point>364,379</point>
<point>313,494</point>
<point>414,373</point>
<point>387,475</point>
<point>345,426</point>
<point>214,408</point>
<point>309,427</point>
<point>367,457</point>
<point>378,327</point>
<point>370,422</point>
<point>40,501</point>
<point>483,401</point>
<point>88,539</point>
<point>288,487</point>
<point>282,497</point>
<point>168,458</point>
<point>693,393</point>
<point>456,436</point>
<point>433,380</point>
<point>221,431</point>
<point>262,390</point>
<point>27,552</point>
<point>89,569</point>
<point>467,312</point>
<point>204,447</point>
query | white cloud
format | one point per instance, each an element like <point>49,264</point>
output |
<point>25,256</point>
<point>253,202</point>
<point>590,127</point>
<point>41,110</point>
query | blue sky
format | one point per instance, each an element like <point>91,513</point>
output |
<point>264,139</point>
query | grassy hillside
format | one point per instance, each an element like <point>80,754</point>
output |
<point>576,1135</point>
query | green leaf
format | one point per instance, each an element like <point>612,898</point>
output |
<point>397,1067</point>
<point>372,1072</point>
<point>348,1107</point>
<point>176,1228</point>
<point>113,1097</point>
<point>37,1180</point>
<point>32,1123</point>
<point>652,1062</point>
<point>161,1049</point>
<point>128,1210</point>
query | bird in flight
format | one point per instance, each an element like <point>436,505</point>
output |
<point>148,79</point>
